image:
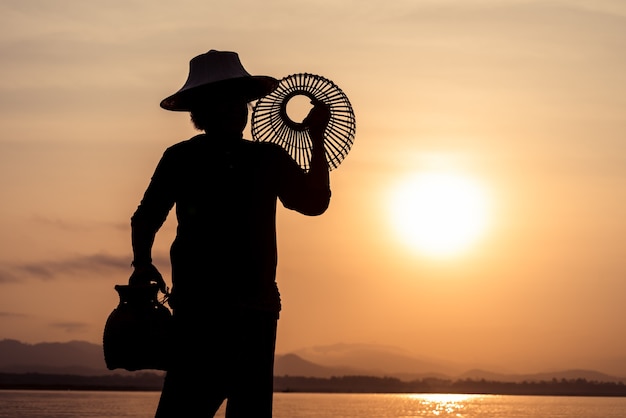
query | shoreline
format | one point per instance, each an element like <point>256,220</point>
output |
<point>152,382</point>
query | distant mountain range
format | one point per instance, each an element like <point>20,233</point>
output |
<point>87,359</point>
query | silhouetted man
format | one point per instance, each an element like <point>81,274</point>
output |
<point>224,296</point>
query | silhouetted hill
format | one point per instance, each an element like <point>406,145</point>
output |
<point>380,360</point>
<point>293,365</point>
<point>74,357</point>
<point>383,361</point>
<point>86,359</point>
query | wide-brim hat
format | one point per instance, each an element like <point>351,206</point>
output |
<point>218,75</point>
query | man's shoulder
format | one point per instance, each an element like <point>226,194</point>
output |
<point>200,145</point>
<point>185,149</point>
<point>266,147</point>
<point>187,144</point>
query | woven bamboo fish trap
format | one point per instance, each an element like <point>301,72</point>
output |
<point>271,123</point>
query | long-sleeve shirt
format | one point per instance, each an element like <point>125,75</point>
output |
<point>225,191</point>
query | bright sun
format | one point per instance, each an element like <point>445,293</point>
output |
<point>439,214</point>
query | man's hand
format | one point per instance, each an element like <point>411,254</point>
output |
<point>317,120</point>
<point>147,274</point>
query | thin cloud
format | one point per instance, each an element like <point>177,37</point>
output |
<point>72,327</point>
<point>94,265</point>
<point>13,315</point>
<point>65,225</point>
<point>7,277</point>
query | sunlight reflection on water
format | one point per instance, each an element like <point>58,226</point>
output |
<point>379,405</point>
<point>85,404</point>
<point>437,404</point>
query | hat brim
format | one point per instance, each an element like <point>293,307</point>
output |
<point>246,88</point>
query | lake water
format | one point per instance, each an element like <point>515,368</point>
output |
<point>88,404</point>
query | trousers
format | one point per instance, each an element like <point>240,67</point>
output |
<point>224,356</point>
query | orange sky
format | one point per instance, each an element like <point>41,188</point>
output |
<point>526,98</point>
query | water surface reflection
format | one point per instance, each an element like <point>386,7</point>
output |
<point>438,404</point>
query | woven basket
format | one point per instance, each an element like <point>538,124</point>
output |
<point>137,332</point>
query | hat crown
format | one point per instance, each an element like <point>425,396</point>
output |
<point>212,67</point>
<point>215,74</point>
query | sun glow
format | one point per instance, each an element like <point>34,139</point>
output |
<point>439,214</point>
